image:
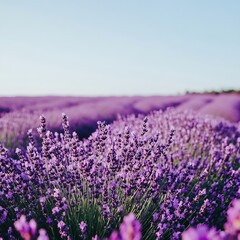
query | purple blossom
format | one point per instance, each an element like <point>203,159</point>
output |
<point>3,215</point>
<point>83,227</point>
<point>26,230</point>
<point>56,210</point>
<point>56,193</point>
<point>130,229</point>
<point>115,236</point>
<point>95,237</point>
<point>155,216</point>
<point>201,233</point>
<point>61,224</point>
<point>43,235</point>
<point>232,225</point>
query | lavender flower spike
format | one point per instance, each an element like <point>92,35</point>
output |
<point>201,233</point>
<point>130,229</point>
<point>43,235</point>
<point>26,230</point>
<point>233,220</point>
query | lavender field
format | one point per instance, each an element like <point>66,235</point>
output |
<point>19,114</point>
<point>120,168</point>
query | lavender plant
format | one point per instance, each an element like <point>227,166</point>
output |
<point>171,169</point>
<point>130,229</point>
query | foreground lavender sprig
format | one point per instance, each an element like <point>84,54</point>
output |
<point>28,230</point>
<point>232,226</point>
<point>130,229</point>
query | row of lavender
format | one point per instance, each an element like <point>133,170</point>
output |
<point>19,114</point>
<point>171,169</point>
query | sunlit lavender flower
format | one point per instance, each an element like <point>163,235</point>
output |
<point>232,225</point>
<point>26,230</point>
<point>115,236</point>
<point>56,210</point>
<point>3,215</point>
<point>56,192</point>
<point>43,235</point>
<point>201,233</point>
<point>130,229</point>
<point>83,228</point>
<point>95,237</point>
<point>63,229</point>
<point>155,217</point>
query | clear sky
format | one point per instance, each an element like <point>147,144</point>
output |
<point>118,47</point>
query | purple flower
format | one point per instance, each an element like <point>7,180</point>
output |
<point>95,237</point>
<point>233,218</point>
<point>56,210</point>
<point>43,235</point>
<point>49,220</point>
<point>130,229</point>
<point>120,209</point>
<point>3,215</point>
<point>61,224</point>
<point>42,200</point>
<point>83,227</point>
<point>155,216</point>
<point>200,233</point>
<point>26,230</point>
<point>56,192</point>
<point>115,236</point>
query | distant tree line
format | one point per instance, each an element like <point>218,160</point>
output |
<point>228,91</point>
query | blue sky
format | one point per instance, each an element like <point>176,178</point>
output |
<point>118,47</point>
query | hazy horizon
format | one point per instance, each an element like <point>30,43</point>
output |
<point>121,95</point>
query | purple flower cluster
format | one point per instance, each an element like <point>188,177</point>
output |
<point>130,229</point>
<point>201,233</point>
<point>231,227</point>
<point>172,169</point>
<point>3,215</point>
<point>28,230</point>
